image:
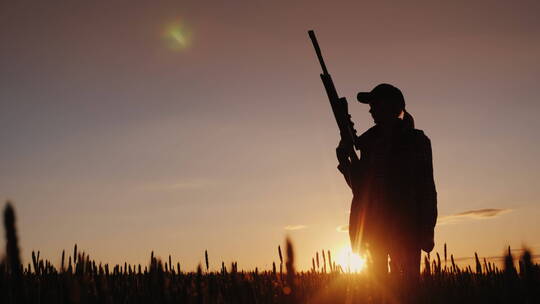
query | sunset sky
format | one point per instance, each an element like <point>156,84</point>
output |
<point>180,126</point>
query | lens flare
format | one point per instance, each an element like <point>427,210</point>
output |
<point>350,261</point>
<point>177,35</point>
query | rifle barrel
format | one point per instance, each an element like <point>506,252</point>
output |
<point>311,34</point>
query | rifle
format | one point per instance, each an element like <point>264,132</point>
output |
<point>339,106</point>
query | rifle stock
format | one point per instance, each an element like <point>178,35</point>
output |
<point>338,104</point>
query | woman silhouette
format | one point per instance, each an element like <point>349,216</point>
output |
<point>394,207</point>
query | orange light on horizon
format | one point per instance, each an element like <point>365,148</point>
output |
<point>350,261</point>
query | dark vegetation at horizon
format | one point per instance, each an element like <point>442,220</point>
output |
<point>82,280</point>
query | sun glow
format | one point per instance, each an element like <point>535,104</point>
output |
<point>350,261</point>
<point>177,36</point>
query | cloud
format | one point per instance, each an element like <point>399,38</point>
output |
<point>471,214</point>
<point>516,254</point>
<point>448,219</point>
<point>342,228</point>
<point>295,227</point>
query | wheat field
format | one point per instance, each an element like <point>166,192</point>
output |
<point>80,279</point>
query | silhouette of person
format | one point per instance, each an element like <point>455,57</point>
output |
<point>394,207</point>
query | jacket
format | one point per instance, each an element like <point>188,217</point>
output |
<point>394,195</point>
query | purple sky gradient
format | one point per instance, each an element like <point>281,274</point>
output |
<point>123,145</point>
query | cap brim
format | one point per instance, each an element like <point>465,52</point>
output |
<point>365,97</point>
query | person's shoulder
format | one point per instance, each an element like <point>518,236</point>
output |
<point>370,131</point>
<point>419,133</point>
<point>368,134</point>
<point>367,137</point>
<point>420,136</point>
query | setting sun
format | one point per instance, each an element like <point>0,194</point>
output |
<point>350,261</point>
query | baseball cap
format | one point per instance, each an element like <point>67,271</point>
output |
<point>383,92</point>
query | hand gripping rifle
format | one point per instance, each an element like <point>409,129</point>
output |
<point>339,106</point>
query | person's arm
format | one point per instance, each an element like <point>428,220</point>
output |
<point>427,194</point>
<point>344,165</point>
